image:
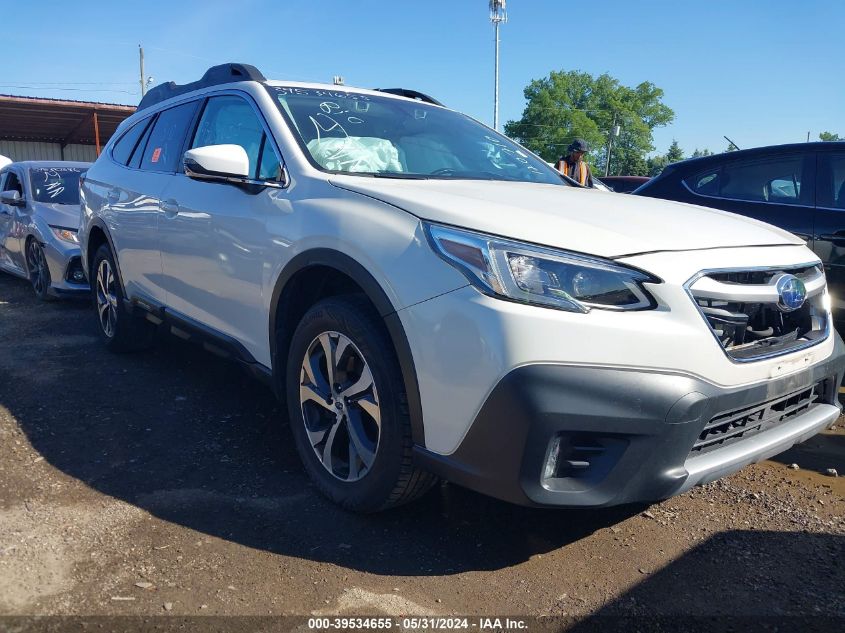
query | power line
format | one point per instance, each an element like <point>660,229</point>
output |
<point>76,83</point>
<point>34,87</point>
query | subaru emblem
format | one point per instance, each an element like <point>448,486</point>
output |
<point>791,293</point>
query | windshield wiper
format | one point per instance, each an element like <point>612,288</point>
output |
<point>389,174</point>
<point>471,175</point>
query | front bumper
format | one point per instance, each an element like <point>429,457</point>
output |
<point>625,435</point>
<point>62,260</point>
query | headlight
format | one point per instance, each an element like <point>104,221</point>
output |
<point>541,276</point>
<point>66,235</point>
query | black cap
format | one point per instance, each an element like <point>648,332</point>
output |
<point>578,145</point>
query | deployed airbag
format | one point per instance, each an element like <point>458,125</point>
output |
<point>356,153</point>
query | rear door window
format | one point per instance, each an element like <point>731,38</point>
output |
<point>164,148</point>
<point>777,181</point>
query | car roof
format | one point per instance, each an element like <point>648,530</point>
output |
<point>766,150</point>
<point>231,74</point>
<point>395,93</point>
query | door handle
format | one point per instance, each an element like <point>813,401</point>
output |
<point>170,208</point>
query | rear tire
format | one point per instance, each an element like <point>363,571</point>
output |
<point>348,408</point>
<point>120,329</point>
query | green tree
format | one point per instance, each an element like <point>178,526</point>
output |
<point>572,104</point>
<point>655,164</point>
<point>675,153</point>
<point>701,152</point>
<point>830,136</point>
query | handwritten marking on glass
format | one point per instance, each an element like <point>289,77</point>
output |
<point>54,179</point>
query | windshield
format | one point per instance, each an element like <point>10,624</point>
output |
<point>351,133</point>
<point>59,185</point>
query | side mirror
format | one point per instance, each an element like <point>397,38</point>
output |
<point>13,198</point>
<point>223,163</point>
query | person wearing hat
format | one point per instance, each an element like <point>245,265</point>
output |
<point>573,165</point>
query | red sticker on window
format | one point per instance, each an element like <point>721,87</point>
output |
<point>156,154</point>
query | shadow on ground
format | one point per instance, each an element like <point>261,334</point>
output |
<point>193,440</point>
<point>749,572</point>
<point>819,453</point>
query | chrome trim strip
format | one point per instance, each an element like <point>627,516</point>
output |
<point>707,288</point>
<point>703,273</point>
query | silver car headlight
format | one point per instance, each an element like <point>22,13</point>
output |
<point>541,276</point>
<point>66,235</point>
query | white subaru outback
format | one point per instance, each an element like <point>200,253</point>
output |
<point>431,299</point>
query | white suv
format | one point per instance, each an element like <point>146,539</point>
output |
<point>431,299</point>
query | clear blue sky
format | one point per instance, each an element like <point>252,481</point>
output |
<point>762,72</point>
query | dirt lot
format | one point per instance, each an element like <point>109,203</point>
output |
<point>166,483</point>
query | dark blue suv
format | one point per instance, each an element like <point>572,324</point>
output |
<point>799,187</point>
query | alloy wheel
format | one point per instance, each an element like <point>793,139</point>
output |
<point>340,406</point>
<point>106,298</point>
<point>39,274</point>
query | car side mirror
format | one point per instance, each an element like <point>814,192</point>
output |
<point>222,163</point>
<point>12,197</point>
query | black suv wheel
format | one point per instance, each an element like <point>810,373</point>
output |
<point>121,330</point>
<point>348,408</point>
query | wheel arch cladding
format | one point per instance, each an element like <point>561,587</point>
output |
<point>98,235</point>
<point>320,273</point>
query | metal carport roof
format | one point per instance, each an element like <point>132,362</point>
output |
<point>60,121</point>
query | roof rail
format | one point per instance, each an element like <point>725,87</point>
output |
<point>216,75</point>
<point>410,94</point>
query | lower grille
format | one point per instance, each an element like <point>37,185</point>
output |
<point>733,426</point>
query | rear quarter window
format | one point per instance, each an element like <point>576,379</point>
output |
<point>125,145</point>
<point>705,183</point>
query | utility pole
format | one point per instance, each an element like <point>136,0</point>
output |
<point>614,131</point>
<point>498,16</point>
<point>143,78</point>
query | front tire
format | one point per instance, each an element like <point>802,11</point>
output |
<point>348,409</point>
<point>121,330</point>
<point>39,272</point>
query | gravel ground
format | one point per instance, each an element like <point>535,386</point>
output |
<point>167,483</point>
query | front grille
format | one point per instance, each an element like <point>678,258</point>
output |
<point>744,313</point>
<point>732,426</point>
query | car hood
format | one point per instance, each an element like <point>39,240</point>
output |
<point>64,215</point>
<point>583,220</point>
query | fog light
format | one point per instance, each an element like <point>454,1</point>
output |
<point>78,275</point>
<point>552,458</point>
